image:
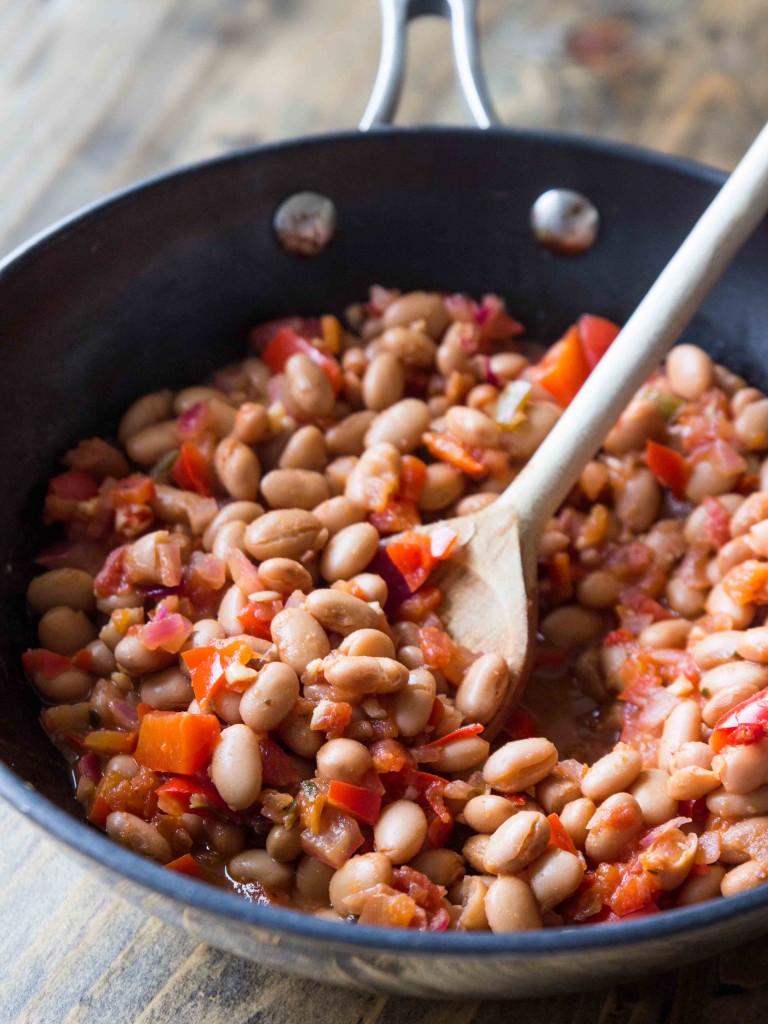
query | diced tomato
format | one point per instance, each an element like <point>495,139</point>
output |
<point>117,793</point>
<point>669,467</point>
<point>746,723</point>
<point>74,485</point>
<point>420,604</point>
<point>416,554</point>
<point>718,522</point>
<point>133,490</point>
<point>208,665</point>
<point>363,804</point>
<point>185,795</point>
<point>563,368</point>
<point>419,887</point>
<point>389,756</point>
<point>111,579</point>
<point>338,836</point>
<point>747,582</point>
<point>385,910</point>
<point>436,646</point>
<point>696,810</point>
<point>396,517</point>
<point>447,449</point>
<point>596,334</point>
<point>176,741</point>
<point>277,769</point>
<point>331,717</point>
<point>257,617</point>
<point>286,343</point>
<point>191,471</point>
<point>186,865</point>
<point>457,734</point>
<point>559,835</point>
<point>413,474</point>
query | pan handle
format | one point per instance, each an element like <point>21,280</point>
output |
<point>395,15</point>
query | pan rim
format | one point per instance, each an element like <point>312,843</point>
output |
<point>82,839</point>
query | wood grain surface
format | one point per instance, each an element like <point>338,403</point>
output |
<point>97,93</point>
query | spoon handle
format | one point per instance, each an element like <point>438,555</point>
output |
<point>655,325</point>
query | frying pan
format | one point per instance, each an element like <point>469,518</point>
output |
<point>157,285</point>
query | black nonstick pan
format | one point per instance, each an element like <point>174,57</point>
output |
<point>158,285</point>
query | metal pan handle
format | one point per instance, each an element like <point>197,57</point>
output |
<point>395,15</point>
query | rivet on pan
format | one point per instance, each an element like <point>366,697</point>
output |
<point>305,223</point>
<point>564,221</point>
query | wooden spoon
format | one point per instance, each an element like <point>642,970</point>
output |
<point>489,585</point>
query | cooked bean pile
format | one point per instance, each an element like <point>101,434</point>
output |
<point>253,689</point>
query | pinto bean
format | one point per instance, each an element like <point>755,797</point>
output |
<point>235,511</point>
<point>167,690</point>
<point>487,813</point>
<point>443,485</point>
<point>238,468</point>
<point>383,382</point>
<point>349,552</point>
<point>367,643</point>
<point>743,768</point>
<point>401,425</point>
<point>267,702</point>
<point>65,631</point>
<point>306,449</point>
<point>338,612</point>
<point>650,789</point>
<point>284,533</point>
<point>71,588</point>
<point>682,725</point>
<point>699,888</point>
<point>642,420</point>
<point>362,675</point>
<point>715,649</point>
<point>443,867</point>
<point>145,412</point>
<point>520,764</point>
<point>725,676</point>
<point>236,767</point>
<point>555,876</point>
<point>483,688</point>
<point>733,806</point>
<point>150,443</point>
<point>576,817</point>
<point>70,685</point>
<point>571,626</point>
<point>613,826</point>
<point>690,371</point>
<point>412,347</point>
<point>379,463</point>
<point>294,488</point>
<point>413,703</point>
<point>348,436</point>
<point>461,754</point>
<point>297,734</point>
<point>344,760</point>
<point>360,873</point>
<point>637,503</point>
<point>691,783</point>
<point>725,700</point>
<point>753,645</point>
<point>313,880</point>
<point>338,513</point>
<point>284,575</point>
<point>139,836</point>
<point>400,831</point>
<point>413,307</point>
<point>232,605</point>
<point>516,843</point>
<point>308,386</point>
<point>137,660</point>
<point>510,906</point>
<point>231,537</point>
<point>669,633</point>
<point>258,866</point>
<point>472,427</point>
<point>744,877</point>
<point>251,423</point>
<point>598,590</point>
<point>299,637</point>
<point>670,858</point>
<point>751,425</point>
<point>614,772</point>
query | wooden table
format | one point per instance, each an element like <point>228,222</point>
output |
<point>96,93</point>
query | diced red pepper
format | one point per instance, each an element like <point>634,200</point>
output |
<point>413,475</point>
<point>191,471</point>
<point>185,795</point>
<point>286,343</point>
<point>746,723</point>
<point>416,554</point>
<point>116,793</point>
<point>176,741</point>
<point>596,334</point>
<point>559,835</point>
<point>669,467</point>
<point>448,449</point>
<point>436,646</point>
<point>257,617</point>
<point>457,734</point>
<point>361,803</point>
<point>74,485</point>
<point>420,604</point>
<point>396,517</point>
<point>208,665</point>
<point>563,368</point>
<point>186,865</point>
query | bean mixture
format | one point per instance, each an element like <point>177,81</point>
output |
<point>254,689</point>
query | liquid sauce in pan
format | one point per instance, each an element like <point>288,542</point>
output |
<point>253,691</point>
